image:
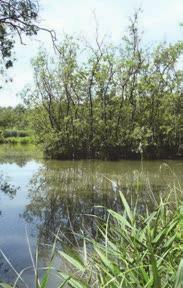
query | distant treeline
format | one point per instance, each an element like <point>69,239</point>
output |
<point>15,125</point>
<point>14,117</point>
<point>109,102</point>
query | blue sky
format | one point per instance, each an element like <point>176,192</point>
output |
<point>160,21</point>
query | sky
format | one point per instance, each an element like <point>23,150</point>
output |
<point>160,22</point>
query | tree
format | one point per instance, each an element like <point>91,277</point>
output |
<point>111,102</point>
<point>17,17</point>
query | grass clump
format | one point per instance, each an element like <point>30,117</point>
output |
<point>133,250</point>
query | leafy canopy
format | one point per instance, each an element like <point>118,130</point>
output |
<point>17,17</point>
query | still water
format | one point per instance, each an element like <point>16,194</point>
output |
<point>38,197</point>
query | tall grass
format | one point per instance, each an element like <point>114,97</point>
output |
<point>133,250</point>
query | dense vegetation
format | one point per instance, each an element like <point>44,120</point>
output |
<point>109,102</point>
<point>135,251</point>
<point>15,125</point>
<point>17,18</point>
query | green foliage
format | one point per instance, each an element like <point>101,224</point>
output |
<point>133,250</point>
<point>16,17</point>
<point>2,140</point>
<point>14,117</point>
<point>18,140</point>
<point>15,125</point>
<point>16,133</point>
<point>119,102</point>
<point>179,277</point>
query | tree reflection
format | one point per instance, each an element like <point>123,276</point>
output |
<point>21,162</point>
<point>18,154</point>
<point>62,199</point>
<point>7,188</point>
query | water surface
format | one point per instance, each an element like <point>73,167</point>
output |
<point>38,197</point>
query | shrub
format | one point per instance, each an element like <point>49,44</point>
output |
<point>2,140</point>
<point>16,133</point>
<point>17,140</point>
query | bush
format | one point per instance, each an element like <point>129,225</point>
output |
<point>17,140</point>
<point>2,140</point>
<point>10,133</point>
<point>16,133</point>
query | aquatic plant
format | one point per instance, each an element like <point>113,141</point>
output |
<point>133,251</point>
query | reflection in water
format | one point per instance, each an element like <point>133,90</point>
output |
<point>61,194</point>
<point>18,154</point>
<point>10,191</point>
<point>7,188</point>
<point>63,198</point>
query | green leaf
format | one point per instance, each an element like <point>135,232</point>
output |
<point>4,285</point>
<point>75,262</point>
<point>44,281</point>
<point>65,282</point>
<point>120,218</point>
<point>179,276</point>
<point>75,283</point>
<point>106,261</point>
<point>127,207</point>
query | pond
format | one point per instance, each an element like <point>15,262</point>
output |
<point>39,197</point>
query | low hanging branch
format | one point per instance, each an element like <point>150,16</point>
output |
<point>18,17</point>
